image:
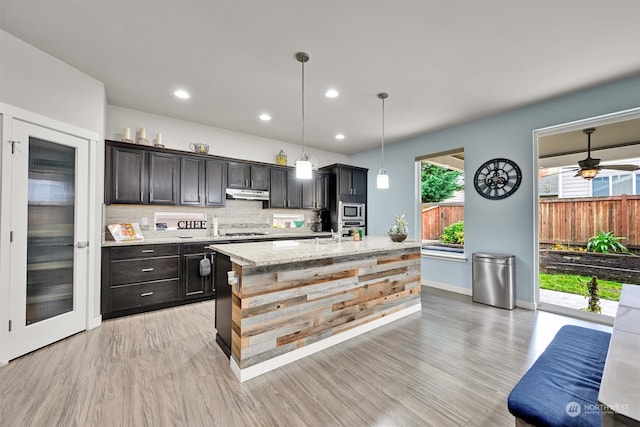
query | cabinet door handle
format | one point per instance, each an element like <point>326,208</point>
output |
<point>146,270</point>
<point>147,251</point>
<point>146,294</point>
<point>251,183</point>
<point>141,196</point>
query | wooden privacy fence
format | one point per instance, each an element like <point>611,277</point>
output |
<point>436,217</point>
<point>564,221</point>
<point>573,221</point>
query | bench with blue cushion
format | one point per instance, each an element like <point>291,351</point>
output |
<point>561,388</point>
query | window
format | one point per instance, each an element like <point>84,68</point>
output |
<point>600,186</point>
<point>442,199</point>
<point>621,184</point>
<point>615,185</point>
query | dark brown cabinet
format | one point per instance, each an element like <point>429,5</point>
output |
<point>163,178</point>
<point>352,184</point>
<point>224,304</point>
<point>278,190</point>
<point>322,190</point>
<point>195,284</point>
<point>140,278</point>
<point>246,175</point>
<point>137,277</point>
<point>309,192</point>
<point>137,176</point>
<point>202,181</point>
<point>315,192</point>
<point>285,190</point>
<point>126,175</point>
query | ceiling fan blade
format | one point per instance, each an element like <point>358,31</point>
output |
<point>620,167</point>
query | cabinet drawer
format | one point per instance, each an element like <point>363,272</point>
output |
<point>144,251</point>
<point>143,294</point>
<point>197,248</point>
<point>144,270</point>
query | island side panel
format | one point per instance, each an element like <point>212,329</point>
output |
<point>280,308</point>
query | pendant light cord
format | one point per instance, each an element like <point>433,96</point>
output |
<point>382,162</point>
<point>304,155</point>
<point>382,96</point>
<point>303,57</point>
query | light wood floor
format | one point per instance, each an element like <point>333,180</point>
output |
<point>453,364</point>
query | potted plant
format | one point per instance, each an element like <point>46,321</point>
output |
<point>399,231</point>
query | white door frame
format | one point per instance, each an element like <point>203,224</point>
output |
<point>7,114</point>
<point>605,119</point>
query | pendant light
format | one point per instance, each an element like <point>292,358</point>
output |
<point>383,179</point>
<point>303,165</point>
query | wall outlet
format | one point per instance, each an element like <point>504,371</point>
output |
<point>144,223</point>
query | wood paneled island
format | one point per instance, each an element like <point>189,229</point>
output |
<point>294,298</point>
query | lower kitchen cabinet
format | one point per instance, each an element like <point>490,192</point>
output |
<point>140,278</point>
<point>196,285</point>
<point>223,321</point>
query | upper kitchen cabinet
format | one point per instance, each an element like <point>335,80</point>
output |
<point>138,176</point>
<point>322,190</point>
<point>246,175</point>
<point>163,178</point>
<point>351,182</point>
<point>286,189</point>
<point>202,181</point>
<point>315,192</point>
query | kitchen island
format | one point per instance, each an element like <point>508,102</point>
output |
<point>294,298</point>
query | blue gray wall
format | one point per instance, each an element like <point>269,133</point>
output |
<point>503,226</point>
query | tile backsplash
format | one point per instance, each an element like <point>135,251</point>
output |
<point>237,215</point>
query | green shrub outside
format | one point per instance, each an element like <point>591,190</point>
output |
<point>453,233</point>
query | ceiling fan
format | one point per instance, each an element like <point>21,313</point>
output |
<point>590,167</point>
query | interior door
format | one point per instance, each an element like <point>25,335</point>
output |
<point>48,274</point>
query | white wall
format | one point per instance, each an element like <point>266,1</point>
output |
<point>178,134</point>
<point>36,81</point>
<point>503,226</point>
<point>34,86</point>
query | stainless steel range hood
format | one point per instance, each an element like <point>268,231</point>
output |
<point>246,194</point>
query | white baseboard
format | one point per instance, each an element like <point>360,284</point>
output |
<point>526,304</point>
<point>278,361</point>
<point>469,292</point>
<point>94,323</point>
<point>446,287</point>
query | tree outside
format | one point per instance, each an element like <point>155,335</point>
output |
<point>438,183</point>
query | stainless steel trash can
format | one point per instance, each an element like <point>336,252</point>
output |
<point>494,277</point>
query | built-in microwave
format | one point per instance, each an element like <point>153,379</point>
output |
<point>351,212</point>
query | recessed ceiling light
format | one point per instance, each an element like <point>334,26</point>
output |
<point>331,93</point>
<point>265,117</point>
<point>339,136</point>
<point>182,94</point>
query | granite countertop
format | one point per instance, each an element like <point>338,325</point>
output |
<point>287,251</point>
<point>222,239</point>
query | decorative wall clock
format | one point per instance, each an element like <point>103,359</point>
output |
<point>497,179</point>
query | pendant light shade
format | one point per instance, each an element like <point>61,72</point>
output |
<point>303,165</point>
<point>382,182</point>
<point>303,169</point>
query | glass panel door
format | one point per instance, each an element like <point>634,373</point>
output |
<point>49,224</point>
<point>50,239</point>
